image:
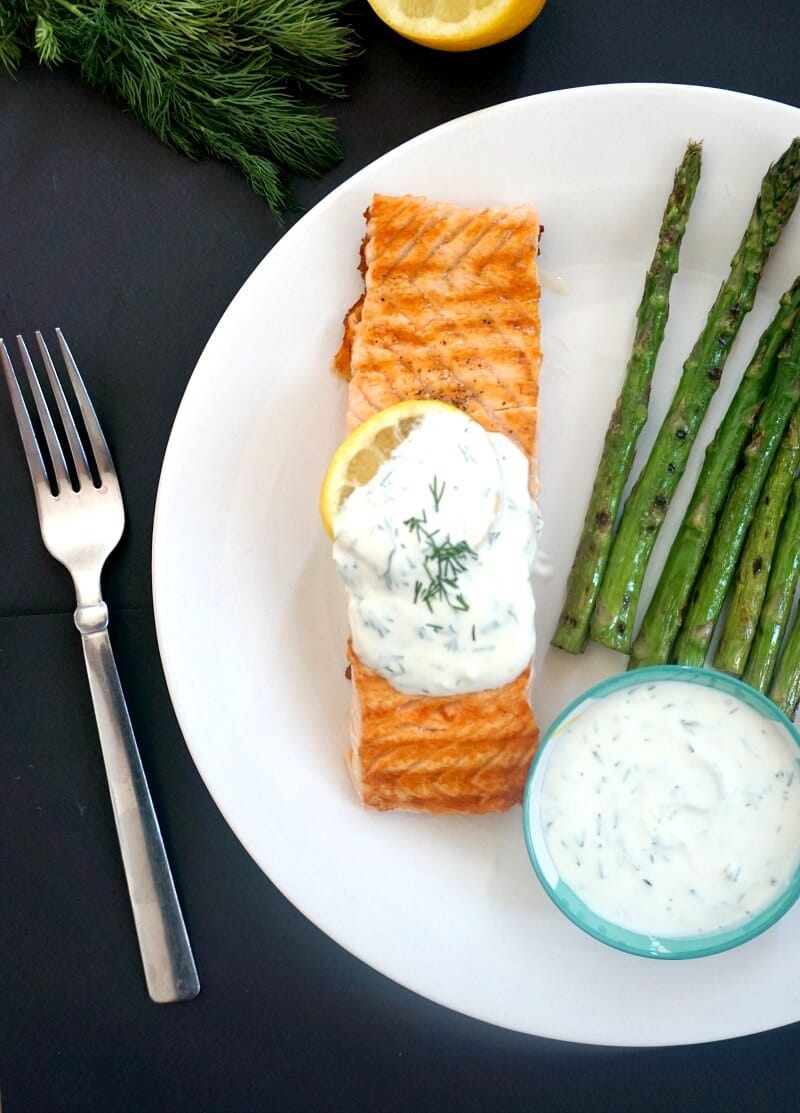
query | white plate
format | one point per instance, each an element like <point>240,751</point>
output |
<point>249,613</point>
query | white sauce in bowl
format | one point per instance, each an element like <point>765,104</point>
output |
<point>672,809</point>
<point>436,552</point>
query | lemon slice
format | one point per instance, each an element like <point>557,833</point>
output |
<point>457,24</point>
<point>369,445</point>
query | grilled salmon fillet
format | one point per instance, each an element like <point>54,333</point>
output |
<point>450,311</point>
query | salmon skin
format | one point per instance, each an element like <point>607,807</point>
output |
<point>450,311</point>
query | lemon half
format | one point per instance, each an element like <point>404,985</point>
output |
<point>457,24</point>
<point>370,444</point>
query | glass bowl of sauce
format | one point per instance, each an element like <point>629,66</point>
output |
<point>662,812</point>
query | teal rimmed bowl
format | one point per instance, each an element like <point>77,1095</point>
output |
<point>613,934</point>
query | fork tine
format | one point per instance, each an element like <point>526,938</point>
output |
<point>73,438</point>
<point>48,428</point>
<point>41,484</point>
<point>105,465</point>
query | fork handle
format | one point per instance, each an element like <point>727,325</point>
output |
<point>169,966</point>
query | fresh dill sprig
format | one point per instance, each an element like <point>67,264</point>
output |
<point>443,561</point>
<point>220,78</point>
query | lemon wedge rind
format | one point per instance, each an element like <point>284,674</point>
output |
<point>369,445</point>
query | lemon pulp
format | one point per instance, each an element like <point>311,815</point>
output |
<point>457,24</point>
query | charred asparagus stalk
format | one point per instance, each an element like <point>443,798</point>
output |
<point>777,606</point>
<point>737,514</point>
<point>646,508</point>
<point>664,616</point>
<point>630,413</point>
<point>753,572</point>
<point>785,688</point>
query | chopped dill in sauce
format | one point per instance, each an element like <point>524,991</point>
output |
<point>704,816</point>
<point>443,561</point>
<point>436,552</point>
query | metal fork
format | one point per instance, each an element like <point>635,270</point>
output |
<point>81,524</point>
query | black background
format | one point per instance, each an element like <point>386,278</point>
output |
<point>136,252</point>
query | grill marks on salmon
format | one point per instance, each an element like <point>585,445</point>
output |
<point>450,312</point>
<point>467,753</point>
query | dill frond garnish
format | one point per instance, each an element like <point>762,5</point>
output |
<point>437,492</point>
<point>220,78</point>
<point>443,561</point>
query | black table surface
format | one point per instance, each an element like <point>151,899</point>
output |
<point>136,251</point>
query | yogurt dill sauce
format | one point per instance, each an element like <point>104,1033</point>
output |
<point>436,552</point>
<point>671,808</point>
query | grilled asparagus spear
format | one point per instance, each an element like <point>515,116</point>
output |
<point>664,616</point>
<point>752,574</point>
<point>785,687</point>
<point>646,508</point>
<point>630,413</point>
<point>777,606</point>
<point>737,514</point>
